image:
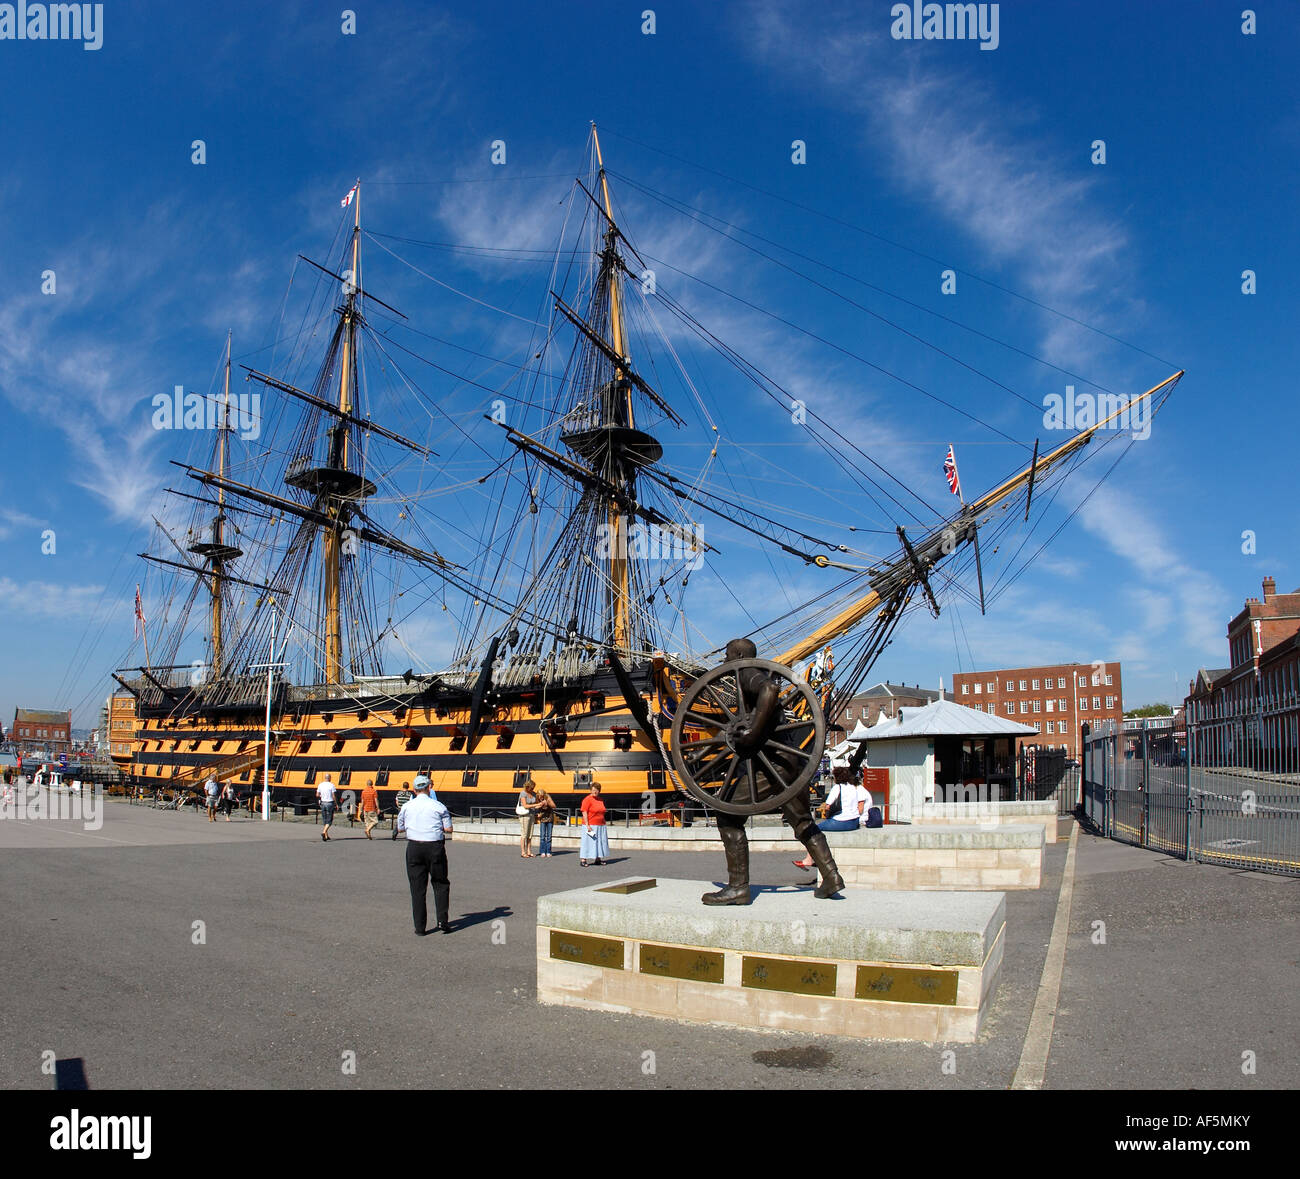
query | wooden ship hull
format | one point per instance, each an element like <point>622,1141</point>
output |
<point>387,733</point>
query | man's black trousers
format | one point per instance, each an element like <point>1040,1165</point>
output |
<point>425,863</point>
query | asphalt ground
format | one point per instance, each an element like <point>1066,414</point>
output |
<point>306,955</point>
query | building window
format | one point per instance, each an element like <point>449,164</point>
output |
<point>1050,705</point>
<point>848,712</point>
<point>1110,701</point>
<point>1011,708</point>
<point>965,689</point>
<point>1110,681</point>
<point>978,689</point>
<point>1083,681</point>
<point>1011,685</point>
<point>1024,707</point>
<point>1060,683</point>
<point>1083,704</point>
<point>1096,703</point>
<point>1037,729</point>
<point>1051,727</point>
<point>991,686</point>
<point>1023,684</point>
<point>1063,705</point>
<point>1038,706</point>
<point>1035,685</point>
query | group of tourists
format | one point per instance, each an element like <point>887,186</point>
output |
<point>536,810</point>
<point>220,797</point>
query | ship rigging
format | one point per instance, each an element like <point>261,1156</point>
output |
<point>549,553</point>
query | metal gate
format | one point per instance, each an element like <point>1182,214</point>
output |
<point>1139,792</point>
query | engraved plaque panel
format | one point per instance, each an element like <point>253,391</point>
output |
<point>686,962</point>
<point>780,974</point>
<point>589,950</point>
<point>900,984</point>
<point>630,886</point>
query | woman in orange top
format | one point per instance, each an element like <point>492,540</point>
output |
<point>595,837</point>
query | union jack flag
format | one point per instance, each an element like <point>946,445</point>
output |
<point>347,200</point>
<point>950,469</point>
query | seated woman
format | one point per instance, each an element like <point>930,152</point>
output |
<point>854,801</point>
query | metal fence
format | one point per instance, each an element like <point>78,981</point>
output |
<point>1046,773</point>
<point>1142,792</point>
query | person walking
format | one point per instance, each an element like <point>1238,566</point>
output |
<point>228,799</point>
<point>427,824</point>
<point>595,838</point>
<point>210,791</point>
<point>545,822</point>
<point>370,807</point>
<point>526,808</point>
<point>325,792</point>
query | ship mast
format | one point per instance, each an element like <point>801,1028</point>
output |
<point>339,461</point>
<point>621,415</point>
<point>214,548</point>
<point>220,522</point>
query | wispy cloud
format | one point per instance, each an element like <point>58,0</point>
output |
<point>978,162</point>
<point>45,599</point>
<point>1177,595</point>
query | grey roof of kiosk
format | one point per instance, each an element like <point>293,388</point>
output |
<point>943,718</point>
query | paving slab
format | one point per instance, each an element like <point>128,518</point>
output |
<point>306,954</point>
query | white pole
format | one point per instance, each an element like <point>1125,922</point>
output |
<point>266,740</point>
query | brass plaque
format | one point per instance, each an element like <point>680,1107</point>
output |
<point>901,984</point>
<point>780,974</point>
<point>686,962</point>
<point>582,947</point>
<point>629,886</point>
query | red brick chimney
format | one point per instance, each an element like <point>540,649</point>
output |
<point>1270,588</point>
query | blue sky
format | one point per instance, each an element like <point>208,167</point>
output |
<point>974,160</point>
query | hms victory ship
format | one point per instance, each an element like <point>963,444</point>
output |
<point>554,565</point>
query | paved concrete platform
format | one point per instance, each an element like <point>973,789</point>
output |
<point>893,965</point>
<point>308,955</point>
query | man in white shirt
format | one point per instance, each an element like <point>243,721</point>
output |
<point>427,824</point>
<point>326,792</point>
<point>210,791</point>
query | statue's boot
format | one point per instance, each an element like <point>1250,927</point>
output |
<point>820,850</point>
<point>736,846</point>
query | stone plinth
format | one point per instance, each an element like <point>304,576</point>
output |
<point>938,856</point>
<point>991,814</point>
<point>941,857</point>
<point>874,965</point>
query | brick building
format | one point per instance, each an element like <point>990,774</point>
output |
<point>1248,714</point>
<point>1054,699</point>
<point>120,726</point>
<point>867,706</point>
<point>39,729</point>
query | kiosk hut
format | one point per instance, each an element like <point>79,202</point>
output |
<point>943,752</point>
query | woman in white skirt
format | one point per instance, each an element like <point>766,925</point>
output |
<point>595,835</point>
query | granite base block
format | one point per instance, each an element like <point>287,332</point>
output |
<point>872,965</point>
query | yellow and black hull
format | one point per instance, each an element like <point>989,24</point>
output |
<point>565,741</point>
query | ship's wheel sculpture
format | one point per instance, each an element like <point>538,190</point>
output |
<point>747,738</point>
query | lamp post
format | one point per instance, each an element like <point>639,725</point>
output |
<point>266,736</point>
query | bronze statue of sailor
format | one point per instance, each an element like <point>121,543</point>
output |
<point>747,740</point>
